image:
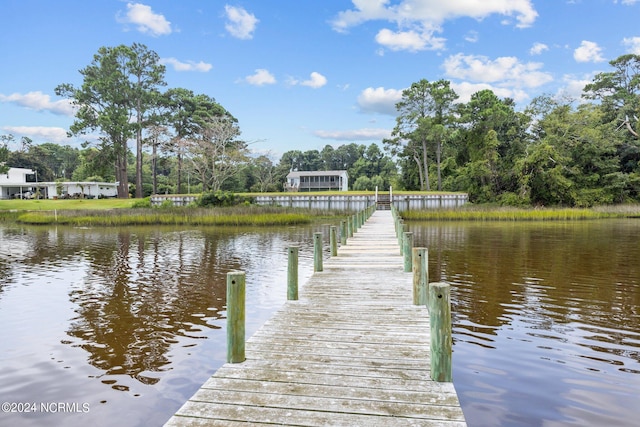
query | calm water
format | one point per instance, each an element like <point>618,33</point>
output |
<point>131,322</point>
<point>125,325</point>
<point>546,320</point>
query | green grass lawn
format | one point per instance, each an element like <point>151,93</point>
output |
<point>71,204</point>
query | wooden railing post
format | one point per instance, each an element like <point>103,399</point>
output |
<point>292,274</point>
<point>407,243</point>
<point>441,340</point>
<point>333,240</point>
<point>235,316</point>
<point>317,251</point>
<point>420,267</point>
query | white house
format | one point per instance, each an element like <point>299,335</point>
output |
<point>317,181</point>
<point>16,181</point>
<point>20,182</point>
<point>83,189</point>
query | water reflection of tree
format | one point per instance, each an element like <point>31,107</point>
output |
<point>131,313</point>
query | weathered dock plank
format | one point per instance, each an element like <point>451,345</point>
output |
<point>352,351</point>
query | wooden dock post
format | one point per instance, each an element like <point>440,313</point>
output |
<point>292,274</point>
<point>440,319</point>
<point>333,240</point>
<point>407,243</point>
<point>420,267</point>
<point>343,232</point>
<point>235,316</point>
<point>400,232</point>
<point>317,251</point>
<point>349,227</point>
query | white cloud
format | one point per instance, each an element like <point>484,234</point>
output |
<point>538,48</point>
<point>506,71</point>
<point>418,20</point>
<point>633,44</point>
<point>379,100</point>
<point>366,134</point>
<point>260,77</point>
<point>40,102</point>
<point>145,19</point>
<point>186,66</point>
<point>241,23</point>
<point>506,76</point>
<point>316,80</point>
<point>588,52</point>
<point>472,37</point>
<point>573,87</point>
<point>409,40</point>
<point>465,89</point>
<point>49,134</point>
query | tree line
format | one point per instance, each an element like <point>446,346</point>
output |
<point>553,152</point>
<point>367,166</point>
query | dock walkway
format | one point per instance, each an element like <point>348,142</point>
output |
<point>352,351</point>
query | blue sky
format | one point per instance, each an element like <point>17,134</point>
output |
<point>303,74</point>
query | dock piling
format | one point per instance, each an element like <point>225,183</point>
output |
<point>420,267</point>
<point>235,316</point>
<point>292,274</point>
<point>317,251</point>
<point>333,240</point>
<point>440,319</point>
<point>407,243</point>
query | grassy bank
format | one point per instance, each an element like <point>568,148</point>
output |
<point>60,205</point>
<point>233,216</point>
<point>488,213</point>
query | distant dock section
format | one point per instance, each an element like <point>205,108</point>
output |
<point>402,202</point>
<point>346,202</point>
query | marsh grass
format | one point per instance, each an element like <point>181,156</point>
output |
<point>483,213</point>
<point>234,216</point>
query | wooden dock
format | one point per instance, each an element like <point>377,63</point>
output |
<point>352,351</point>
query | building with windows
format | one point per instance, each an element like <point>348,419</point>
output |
<point>21,183</point>
<point>317,181</point>
<point>17,183</point>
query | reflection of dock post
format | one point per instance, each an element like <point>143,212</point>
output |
<point>292,274</point>
<point>317,251</point>
<point>235,316</point>
<point>440,319</point>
